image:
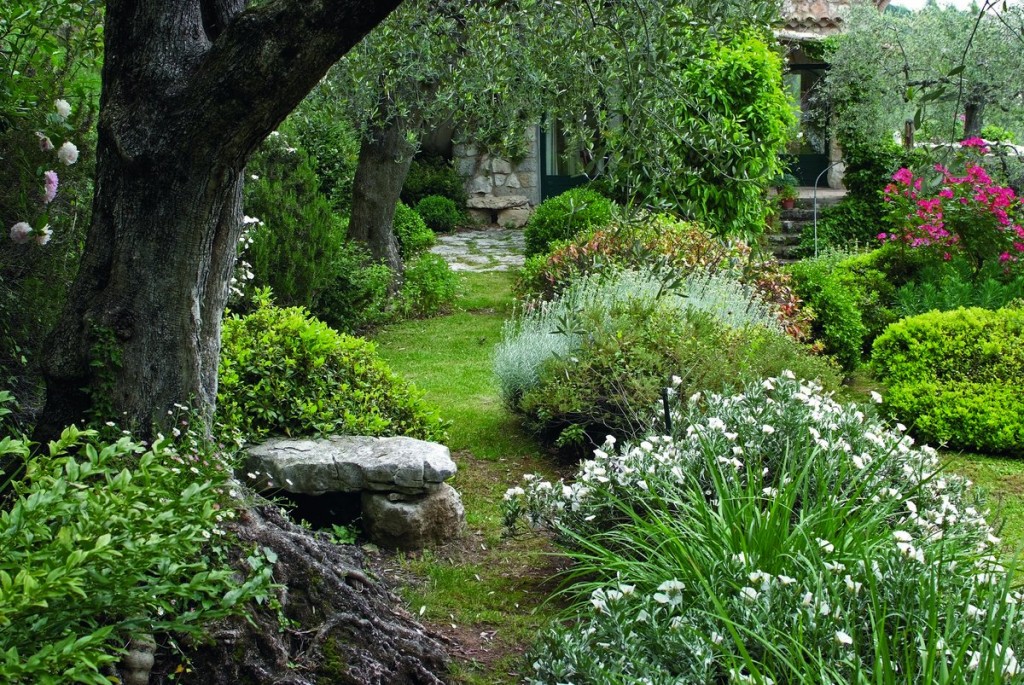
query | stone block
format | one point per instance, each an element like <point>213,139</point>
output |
<point>515,218</point>
<point>501,166</point>
<point>480,216</point>
<point>413,522</point>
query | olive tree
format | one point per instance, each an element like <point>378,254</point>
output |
<point>189,89</point>
<point>948,71</point>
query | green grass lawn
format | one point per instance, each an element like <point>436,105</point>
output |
<point>1003,479</point>
<point>486,592</point>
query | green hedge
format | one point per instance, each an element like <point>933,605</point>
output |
<point>955,376</point>
<point>284,372</point>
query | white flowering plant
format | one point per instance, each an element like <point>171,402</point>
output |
<point>777,536</point>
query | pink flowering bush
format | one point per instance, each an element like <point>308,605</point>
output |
<point>949,215</point>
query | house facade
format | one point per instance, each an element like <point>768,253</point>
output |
<point>503,191</point>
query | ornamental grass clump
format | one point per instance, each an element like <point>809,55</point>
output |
<point>776,536</point>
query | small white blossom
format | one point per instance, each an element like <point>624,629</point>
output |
<point>21,232</point>
<point>843,638</point>
<point>68,153</point>
<point>63,108</point>
<point>875,397</point>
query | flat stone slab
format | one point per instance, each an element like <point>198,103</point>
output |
<point>348,463</point>
<point>495,203</point>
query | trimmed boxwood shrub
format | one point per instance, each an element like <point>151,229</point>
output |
<point>439,213</point>
<point>955,376</point>
<point>414,238</point>
<point>987,417</point>
<point>564,216</point>
<point>285,372</point>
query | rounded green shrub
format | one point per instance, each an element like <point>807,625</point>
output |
<point>433,176</point>
<point>966,345</point>
<point>284,372</point>
<point>439,213</point>
<point>986,417</point>
<point>429,286</point>
<point>955,376</point>
<point>562,217</point>
<point>412,233</point>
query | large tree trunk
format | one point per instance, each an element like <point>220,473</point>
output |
<point>384,160</point>
<point>973,122</point>
<point>189,90</point>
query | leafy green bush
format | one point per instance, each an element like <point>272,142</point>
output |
<point>439,213</point>
<point>593,361</point>
<point>429,286</point>
<point>834,300</point>
<point>358,297</point>
<point>969,362</point>
<point>433,176</point>
<point>954,285</point>
<point>564,216</point>
<point>776,537</point>
<point>412,233</point>
<point>323,130</point>
<point>284,372</point>
<point>106,541</point>
<point>297,248</point>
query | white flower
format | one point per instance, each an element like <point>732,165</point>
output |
<point>749,594</point>
<point>68,153</point>
<point>767,384</point>
<point>903,536</point>
<point>44,235</point>
<point>843,638</point>
<point>676,381</point>
<point>788,374</point>
<point>975,661</point>
<point>807,600</point>
<point>21,232</point>
<point>875,397</point>
<point>767,430</point>
<point>63,108</point>
<point>717,638</point>
<point>786,580</point>
<point>45,144</point>
<point>827,546</point>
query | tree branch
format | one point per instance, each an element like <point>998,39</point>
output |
<point>264,62</point>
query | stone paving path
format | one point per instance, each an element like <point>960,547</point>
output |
<point>482,249</point>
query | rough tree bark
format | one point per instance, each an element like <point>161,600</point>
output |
<point>190,88</point>
<point>384,160</point>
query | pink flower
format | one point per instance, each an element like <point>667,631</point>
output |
<point>1005,257</point>
<point>946,193</point>
<point>50,179</point>
<point>881,236</point>
<point>904,176</point>
<point>976,143</point>
<point>21,232</point>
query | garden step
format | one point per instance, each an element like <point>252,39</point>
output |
<point>784,238</point>
<point>799,214</point>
